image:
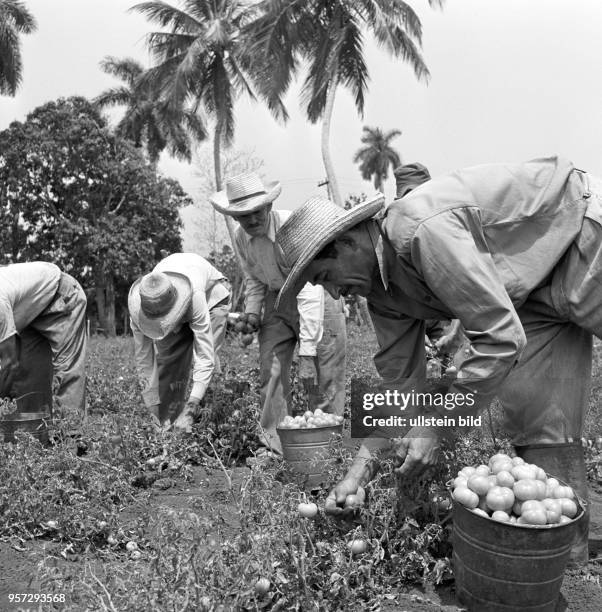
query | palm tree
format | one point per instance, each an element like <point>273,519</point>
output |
<point>15,19</point>
<point>329,36</point>
<point>377,155</point>
<point>205,60</point>
<point>149,120</point>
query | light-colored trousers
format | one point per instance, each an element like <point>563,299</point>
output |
<point>54,346</point>
<point>173,362</point>
<point>278,336</point>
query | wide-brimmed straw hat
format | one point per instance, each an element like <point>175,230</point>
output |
<point>310,228</point>
<point>158,302</point>
<point>245,193</point>
<point>409,176</point>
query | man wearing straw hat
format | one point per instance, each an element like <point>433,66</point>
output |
<point>514,251</point>
<point>178,314</point>
<point>315,320</point>
<point>42,335</point>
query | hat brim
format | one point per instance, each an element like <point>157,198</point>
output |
<point>320,238</point>
<point>158,328</point>
<point>220,202</point>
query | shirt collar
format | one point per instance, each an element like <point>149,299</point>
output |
<point>377,243</point>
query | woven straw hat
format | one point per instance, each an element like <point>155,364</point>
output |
<point>244,194</point>
<point>409,176</point>
<point>158,301</point>
<point>310,228</point>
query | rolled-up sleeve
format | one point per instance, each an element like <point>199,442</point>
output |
<point>146,365</point>
<point>203,353</point>
<point>450,252</point>
<point>310,304</point>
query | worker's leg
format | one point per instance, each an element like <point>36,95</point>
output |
<point>277,340</point>
<point>331,355</point>
<point>63,323</point>
<point>219,323</point>
<point>545,399</point>
<point>34,377</point>
<point>174,363</point>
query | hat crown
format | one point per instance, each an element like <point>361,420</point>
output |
<point>243,187</point>
<point>315,213</point>
<point>157,295</point>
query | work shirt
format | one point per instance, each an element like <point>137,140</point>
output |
<point>26,289</point>
<point>265,271</point>
<point>207,291</point>
<point>471,245</point>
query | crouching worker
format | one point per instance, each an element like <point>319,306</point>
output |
<point>42,335</point>
<point>513,252</point>
<point>178,315</point>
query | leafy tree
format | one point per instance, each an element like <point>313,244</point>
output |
<point>377,155</point>
<point>328,37</point>
<point>205,59</point>
<point>15,19</point>
<point>73,193</point>
<point>148,119</point>
<point>210,228</point>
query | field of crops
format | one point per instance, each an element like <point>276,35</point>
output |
<point>91,524</point>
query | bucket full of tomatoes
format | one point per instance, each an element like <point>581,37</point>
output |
<point>306,443</point>
<point>513,529</point>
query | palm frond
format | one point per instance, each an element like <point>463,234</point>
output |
<point>164,15</point>
<point>126,69</point>
<point>164,45</point>
<point>116,96</point>
<point>353,70</point>
<point>19,15</point>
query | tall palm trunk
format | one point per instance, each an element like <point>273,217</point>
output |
<point>217,165</point>
<point>335,193</point>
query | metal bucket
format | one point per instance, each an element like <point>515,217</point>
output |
<point>502,567</point>
<point>307,451</point>
<point>33,422</point>
<point>31,415</point>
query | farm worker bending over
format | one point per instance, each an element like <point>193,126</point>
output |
<point>178,315</point>
<point>514,251</point>
<point>42,334</point>
<point>316,321</point>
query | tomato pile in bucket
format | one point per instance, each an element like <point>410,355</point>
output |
<point>311,420</point>
<point>508,490</point>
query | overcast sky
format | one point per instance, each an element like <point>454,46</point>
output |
<point>510,80</point>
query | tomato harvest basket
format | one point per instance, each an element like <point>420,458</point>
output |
<point>508,567</point>
<point>32,415</point>
<point>307,451</point>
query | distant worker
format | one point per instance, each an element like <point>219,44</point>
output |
<point>178,314</point>
<point>43,335</point>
